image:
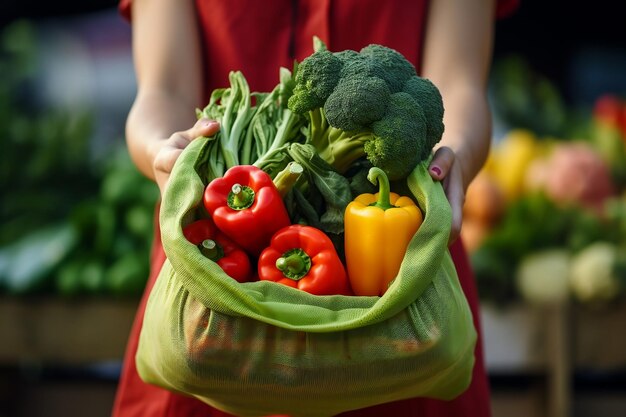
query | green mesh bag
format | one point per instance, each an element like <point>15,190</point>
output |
<point>261,348</point>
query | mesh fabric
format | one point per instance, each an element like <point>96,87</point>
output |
<point>261,348</point>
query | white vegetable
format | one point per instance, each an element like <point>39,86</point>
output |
<point>592,278</point>
<point>542,277</point>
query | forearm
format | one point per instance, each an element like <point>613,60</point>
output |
<point>154,116</point>
<point>467,120</point>
<point>166,52</point>
<point>457,58</point>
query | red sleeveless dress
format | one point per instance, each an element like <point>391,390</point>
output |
<point>257,37</point>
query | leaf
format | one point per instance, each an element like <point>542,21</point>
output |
<point>333,187</point>
<point>306,209</point>
<point>30,259</point>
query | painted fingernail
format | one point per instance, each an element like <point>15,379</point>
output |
<point>436,170</point>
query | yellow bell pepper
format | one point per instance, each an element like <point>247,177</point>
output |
<point>378,229</point>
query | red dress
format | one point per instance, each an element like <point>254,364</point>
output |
<point>257,37</point>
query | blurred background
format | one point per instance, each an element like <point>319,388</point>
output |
<point>545,219</point>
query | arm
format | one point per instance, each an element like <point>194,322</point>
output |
<point>168,65</point>
<point>457,57</point>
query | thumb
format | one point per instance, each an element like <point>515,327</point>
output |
<point>203,127</point>
<point>441,163</point>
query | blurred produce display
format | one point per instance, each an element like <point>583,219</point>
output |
<point>73,223</point>
<point>545,220</point>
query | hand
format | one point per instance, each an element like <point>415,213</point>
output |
<point>167,151</point>
<point>446,167</point>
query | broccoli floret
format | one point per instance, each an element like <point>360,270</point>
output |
<point>386,150</point>
<point>429,98</point>
<point>390,65</point>
<point>315,78</point>
<point>349,56</point>
<point>354,64</point>
<point>369,103</point>
<point>377,61</point>
<point>356,102</point>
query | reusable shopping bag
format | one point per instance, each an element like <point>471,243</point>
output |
<point>261,348</point>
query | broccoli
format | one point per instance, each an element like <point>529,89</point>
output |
<point>369,104</point>
<point>390,65</point>
<point>386,150</point>
<point>425,92</point>
<point>356,102</point>
<point>316,78</point>
<point>340,148</point>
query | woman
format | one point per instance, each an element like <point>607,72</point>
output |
<point>184,49</point>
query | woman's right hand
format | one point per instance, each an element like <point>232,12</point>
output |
<point>166,152</point>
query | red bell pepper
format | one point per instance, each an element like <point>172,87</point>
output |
<point>246,206</point>
<point>304,257</point>
<point>218,248</point>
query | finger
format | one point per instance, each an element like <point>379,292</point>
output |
<point>171,149</point>
<point>456,197</point>
<point>455,194</point>
<point>165,160</point>
<point>164,163</point>
<point>441,163</point>
<point>203,127</point>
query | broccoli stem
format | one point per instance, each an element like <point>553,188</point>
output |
<point>337,147</point>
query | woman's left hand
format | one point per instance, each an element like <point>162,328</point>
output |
<point>446,167</point>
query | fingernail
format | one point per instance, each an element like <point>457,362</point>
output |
<point>436,170</point>
<point>210,123</point>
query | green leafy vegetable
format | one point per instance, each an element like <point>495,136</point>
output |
<point>251,133</point>
<point>332,186</point>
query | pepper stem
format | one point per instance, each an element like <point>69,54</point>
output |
<point>377,175</point>
<point>240,197</point>
<point>294,264</point>
<point>211,250</point>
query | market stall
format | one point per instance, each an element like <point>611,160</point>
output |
<point>545,224</point>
